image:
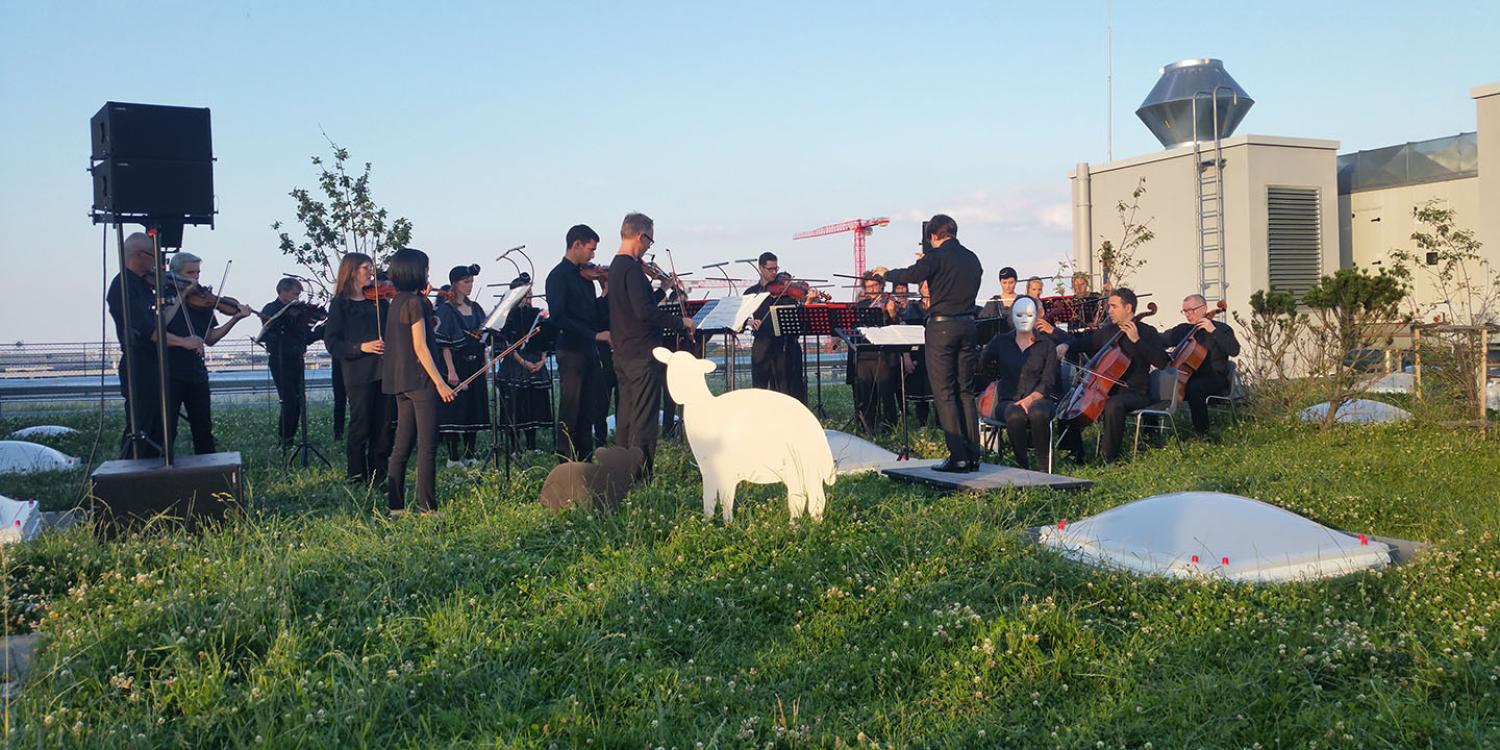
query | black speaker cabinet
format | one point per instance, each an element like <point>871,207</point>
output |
<point>154,187</point>
<point>121,130</point>
<point>130,493</point>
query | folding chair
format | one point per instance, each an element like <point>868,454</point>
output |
<point>1237,393</point>
<point>1164,404</point>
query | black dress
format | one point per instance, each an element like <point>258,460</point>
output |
<point>529,394</point>
<point>469,411</point>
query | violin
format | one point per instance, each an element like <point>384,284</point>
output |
<point>381,290</point>
<point>1190,353</point>
<point>1086,401</point>
<point>594,272</point>
<point>801,291</point>
<point>201,297</point>
<point>656,273</point>
<point>302,312</point>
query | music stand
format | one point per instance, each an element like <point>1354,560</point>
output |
<point>843,320</point>
<point>796,321</point>
<point>900,339</point>
<point>727,315</point>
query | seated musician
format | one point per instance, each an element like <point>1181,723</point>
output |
<point>998,306</point>
<point>1143,345</point>
<point>1212,378</point>
<point>1034,288</point>
<point>873,373</point>
<point>775,361</point>
<point>1025,362</point>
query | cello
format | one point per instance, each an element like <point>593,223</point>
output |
<point>1191,353</point>
<point>1086,401</point>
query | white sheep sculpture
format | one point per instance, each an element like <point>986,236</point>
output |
<point>752,435</point>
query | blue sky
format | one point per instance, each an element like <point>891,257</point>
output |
<point>733,125</point>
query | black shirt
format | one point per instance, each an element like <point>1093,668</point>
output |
<point>186,365</point>
<point>953,274</point>
<point>288,336</point>
<point>572,308</point>
<point>350,324</point>
<point>996,308</point>
<point>1021,373</point>
<point>763,312</point>
<point>142,314</point>
<point>1144,354</point>
<point>1221,346</point>
<point>400,372</point>
<point>635,322</point>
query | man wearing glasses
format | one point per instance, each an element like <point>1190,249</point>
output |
<point>1212,378</point>
<point>635,328</point>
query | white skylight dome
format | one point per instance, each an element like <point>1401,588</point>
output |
<point>1189,534</point>
<point>1357,411</point>
<point>42,430</point>
<point>18,457</point>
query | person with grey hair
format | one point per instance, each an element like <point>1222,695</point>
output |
<point>1212,377</point>
<point>636,326</point>
<point>139,371</point>
<point>187,374</point>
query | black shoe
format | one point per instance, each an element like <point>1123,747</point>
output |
<point>955,466</point>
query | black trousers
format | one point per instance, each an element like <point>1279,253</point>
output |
<point>1200,386</point>
<point>609,392</point>
<point>416,423</point>
<point>776,364</point>
<point>196,399</point>
<point>288,375</point>
<point>636,424</point>
<point>1028,431</point>
<point>950,373</point>
<point>143,394</point>
<point>368,448</point>
<point>580,393</point>
<point>340,398</point>
<point>875,390</point>
<point>1111,424</point>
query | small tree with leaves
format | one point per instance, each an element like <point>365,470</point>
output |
<point>345,220</point>
<point>1352,311</point>
<point>1118,262</point>
<point>1275,353</point>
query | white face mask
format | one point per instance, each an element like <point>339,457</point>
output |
<point>1023,315</point>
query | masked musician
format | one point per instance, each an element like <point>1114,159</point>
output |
<point>288,329</point>
<point>187,384</point>
<point>1212,378</point>
<point>1143,345</point>
<point>775,361</point>
<point>874,373</point>
<point>355,340</point>
<point>461,354</point>
<point>1024,363</point>
<point>636,326</point>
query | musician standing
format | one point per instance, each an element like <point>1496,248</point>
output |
<point>286,339</point>
<point>1212,378</point>
<point>354,338</point>
<point>140,382</point>
<point>461,354</point>
<point>574,309</point>
<point>187,383</point>
<point>1143,345</point>
<point>636,326</point>
<point>953,273</point>
<point>775,361</point>
<point>874,373</point>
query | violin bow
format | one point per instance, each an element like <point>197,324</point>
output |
<point>536,326</point>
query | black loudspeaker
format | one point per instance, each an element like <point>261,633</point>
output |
<point>151,131</point>
<point>130,493</point>
<point>155,188</point>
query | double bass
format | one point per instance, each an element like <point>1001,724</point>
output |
<point>1086,401</point>
<point>1190,353</point>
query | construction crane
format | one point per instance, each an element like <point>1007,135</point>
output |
<point>861,229</point>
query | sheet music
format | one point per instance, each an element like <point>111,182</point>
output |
<point>728,313</point>
<point>498,316</point>
<point>895,335</point>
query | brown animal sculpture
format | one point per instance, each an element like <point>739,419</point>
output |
<point>592,486</point>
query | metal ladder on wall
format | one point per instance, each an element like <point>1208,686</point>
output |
<point>1209,179</point>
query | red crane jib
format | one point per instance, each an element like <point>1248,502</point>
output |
<point>860,228</point>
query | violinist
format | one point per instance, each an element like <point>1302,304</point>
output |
<point>998,306</point>
<point>1138,341</point>
<point>775,361</point>
<point>874,373</point>
<point>1023,363</point>
<point>1212,377</point>
<point>461,354</point>
<point>573,308</point>
<point>187,375</point>
<point>354,339</point>
<point>636,325</point>
<point>139,373</point>
<point>953,273</point>
<point>1084,306</point>
<point>288,329</point>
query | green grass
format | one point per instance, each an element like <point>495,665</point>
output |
<point>907,618</point>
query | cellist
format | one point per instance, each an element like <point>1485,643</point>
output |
<point>1212,378</point>
<point>1143,345</point>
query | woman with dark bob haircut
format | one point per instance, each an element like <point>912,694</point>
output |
<point>409,373</point>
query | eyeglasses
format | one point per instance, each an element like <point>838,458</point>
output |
<point>648,239</point>
<point>1187,310</point>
